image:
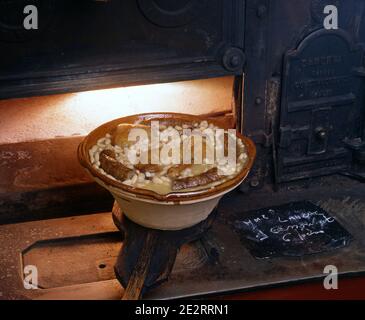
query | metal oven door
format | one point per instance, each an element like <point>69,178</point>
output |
<point>321,109</point>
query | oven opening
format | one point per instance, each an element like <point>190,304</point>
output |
<point>39,137</point>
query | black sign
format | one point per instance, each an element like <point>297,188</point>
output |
<point>294,229</point>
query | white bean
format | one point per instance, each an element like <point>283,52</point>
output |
<point>101,142</point>
<point>134,179</point>
<point>91,156</point>
<point>204,124</point>
<point>186,172</point>
<point>94,149</point>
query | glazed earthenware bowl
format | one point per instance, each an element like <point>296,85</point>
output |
<point>175,210</point>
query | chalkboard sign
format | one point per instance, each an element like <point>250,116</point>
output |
<point>294,229</point>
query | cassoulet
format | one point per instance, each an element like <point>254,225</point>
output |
<point>187,155</point>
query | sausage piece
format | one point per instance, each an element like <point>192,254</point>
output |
<point>197,181</point>
<point>110,165</point>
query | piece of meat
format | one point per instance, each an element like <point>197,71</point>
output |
<point>197,181</point>
<point>166,122</point>
<point>109,153</point>
<point>113,167</point>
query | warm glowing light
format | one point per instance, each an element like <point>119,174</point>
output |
<point>79,113</point>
